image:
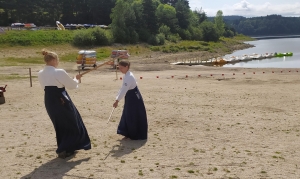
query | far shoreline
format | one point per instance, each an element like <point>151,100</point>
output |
<point>275,37</point>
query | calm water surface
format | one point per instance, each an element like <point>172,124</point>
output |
<point>282,45</point>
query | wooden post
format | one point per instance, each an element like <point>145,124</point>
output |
<point>30,77</point>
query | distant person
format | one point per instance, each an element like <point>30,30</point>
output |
<point>71,134</point>
<point>133,123</point>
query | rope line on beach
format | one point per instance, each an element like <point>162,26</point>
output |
<point>222,75</point>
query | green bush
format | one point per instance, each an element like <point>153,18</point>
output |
<point>183,48</point>
<point>185,34</point>
<point>164,30</point>
<point>102,37</point>
<point>166,50</point>
<point>228,33</point>
<point>161,38</point>
<point>92,37</point>
<point>206,49</point>
<point>155,48</point>
<point>153,40</point>
<point>204,43</point>
<point>194,47</point>
<point>196,33</point>
<point>174,38</point>
<point>174,49</point>
<point>84,38</point>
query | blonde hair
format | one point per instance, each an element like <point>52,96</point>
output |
<point>49,56</point>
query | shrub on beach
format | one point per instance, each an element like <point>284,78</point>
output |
<point>83,38</point>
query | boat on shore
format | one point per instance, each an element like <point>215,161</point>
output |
<point>283,54</point>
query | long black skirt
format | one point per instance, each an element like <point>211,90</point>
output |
<point>71,133</point>
<point>133,123</point>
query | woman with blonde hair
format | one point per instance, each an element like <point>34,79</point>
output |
<point>133,123</point>
<point>71,134</point>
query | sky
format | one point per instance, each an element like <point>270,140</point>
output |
<point>248,8</point>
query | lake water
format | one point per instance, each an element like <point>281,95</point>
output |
<point>282,45</point>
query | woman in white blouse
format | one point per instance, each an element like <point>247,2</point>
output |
<point>133,123</point>
<point>71,134</point>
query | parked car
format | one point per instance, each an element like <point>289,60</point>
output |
<point>23,26</point>
<point>17,26</point>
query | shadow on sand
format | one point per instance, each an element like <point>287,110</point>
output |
<point>125,147</point>
<point>54,169</point>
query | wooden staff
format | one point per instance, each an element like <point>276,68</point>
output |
<point>110,115</point>
<point>95,68</point>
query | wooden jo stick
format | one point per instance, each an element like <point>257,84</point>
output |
<point>95,68</point>
<point>110,115</point>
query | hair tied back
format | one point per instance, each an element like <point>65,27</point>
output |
<point>44,52</point>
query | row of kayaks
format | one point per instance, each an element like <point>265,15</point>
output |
<point>283,54</point>
<point>236,59</point>
<point>258,56</point>
<point>254,56</point>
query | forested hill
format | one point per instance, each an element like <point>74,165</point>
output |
<point>265,25</point>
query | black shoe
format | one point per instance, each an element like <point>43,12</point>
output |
<point>62,155</point>
<point>68,154</point>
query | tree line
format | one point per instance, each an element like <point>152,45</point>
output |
<point>265,25</point>
<point>131,21</point>
<point>46,12</point>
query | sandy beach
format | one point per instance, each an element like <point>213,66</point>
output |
<point>204,122</point>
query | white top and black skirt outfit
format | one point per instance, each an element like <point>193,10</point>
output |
<point>71,133</point>
<point>133,123</point>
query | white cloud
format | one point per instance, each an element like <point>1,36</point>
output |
<point>242,6</point>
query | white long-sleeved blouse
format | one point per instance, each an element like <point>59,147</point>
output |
<point>51,76</point>
<point>129,82</point>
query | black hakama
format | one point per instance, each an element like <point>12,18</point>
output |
<point>71,133</point>
<point>133,123</point>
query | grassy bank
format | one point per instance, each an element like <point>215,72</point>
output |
<point>35,38</point>
<point>79,38</point>
<point>21,48</point>
<point>224,45</point>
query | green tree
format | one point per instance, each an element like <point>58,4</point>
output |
<point>246,27</point>
<point>210,32</point>
<point>100,11</point>
<point>123,22</point>
<point>182,14</point>
<point>149,16</point>
<point>166,15</point>
<point>201,15</point>
<point>173,2</point>
<point>219,23</point>
<point>229,31</point>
